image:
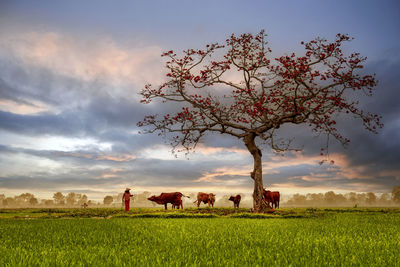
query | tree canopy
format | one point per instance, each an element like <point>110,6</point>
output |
<point>239,90</point>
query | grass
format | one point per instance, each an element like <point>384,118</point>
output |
<point>201,237</point>
<point>185,213</point>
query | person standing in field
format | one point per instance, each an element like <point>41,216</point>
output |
<point>126,197</point>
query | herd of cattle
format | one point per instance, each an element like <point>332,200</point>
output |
<point>175,198</point>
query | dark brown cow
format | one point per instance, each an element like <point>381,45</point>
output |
<point>177,205</point>
<point>268,197</point>
<point>236,200</point>
<point>174,198</point>
<point>205,198</point>
<point>272,197</point>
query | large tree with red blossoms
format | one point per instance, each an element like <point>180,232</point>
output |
<point>238,90</point>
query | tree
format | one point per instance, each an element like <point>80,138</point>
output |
<point>70,199</point>
<point>48,202</point>
<point>33,201</point>
<point>9,201</point>
<point>2,198</point>
<point>24,198</point>
<point>316,199</point>
<point>384,199</point>
<point>298,199</point>
<point>352,197</point>
<point>235,89</point>
<point>108,200</point>
<point>59,198</point>
<point>82,199</point>
<point>361,198</point>
<point>371,198</point>
<point>396,194</point>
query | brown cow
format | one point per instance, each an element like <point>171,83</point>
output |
<point>268,197</point>
<point>205,198</point>
<point>236,200</point>
<point>174,198</point>
<point>177,205</point>
<point>272,197</point>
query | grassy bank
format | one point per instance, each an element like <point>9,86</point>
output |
<point>185,213</point>
<point>332,237</point>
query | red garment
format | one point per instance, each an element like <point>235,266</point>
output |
<point>127,205</point>
<point>126,197</point>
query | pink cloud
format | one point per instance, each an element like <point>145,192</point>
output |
<point>85,59</point>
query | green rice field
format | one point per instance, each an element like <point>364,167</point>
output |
<point>200,237</point>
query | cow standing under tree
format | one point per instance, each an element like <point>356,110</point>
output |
<point>174,198</point>
<point>272,197</point>
<point>263,95</point>
<point>205,198</point>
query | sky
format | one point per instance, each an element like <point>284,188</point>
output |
<point>71,73</point>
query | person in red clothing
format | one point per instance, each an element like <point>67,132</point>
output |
<point>126,197</point>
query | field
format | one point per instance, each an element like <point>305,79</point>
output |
<point>200,237</point>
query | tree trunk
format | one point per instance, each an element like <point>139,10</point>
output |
<point>259,204</point>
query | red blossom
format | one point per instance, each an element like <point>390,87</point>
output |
<point>308,88</point>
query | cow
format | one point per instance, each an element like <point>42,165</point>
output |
<point>174,198</point>
<point>236,200</point>
<point>268,197</point>
<point>277,197</point>
<point>177,205</point>
<point>205,198</point>
<point>272,197</point>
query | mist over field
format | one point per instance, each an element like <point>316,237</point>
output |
<point>139,200</point>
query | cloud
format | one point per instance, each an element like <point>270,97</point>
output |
<point>11,100</point>
<point>380,152</point>
<point>24,183</point>
<point>103,164</point>
<point>79,156</point>
<point>55,73</point>
<point>84,59</point>
<point>68,114</point>
<point>53,84</point>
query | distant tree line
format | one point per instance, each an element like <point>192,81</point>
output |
<point>350,199</point>
<point>59,200</point>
